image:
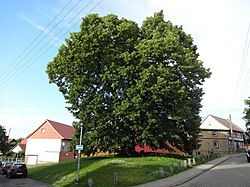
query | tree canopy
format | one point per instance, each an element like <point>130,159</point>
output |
<point>246,116</point>
<point>3,140</point>
<point>129,85</point>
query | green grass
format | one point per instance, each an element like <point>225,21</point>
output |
<point>132,171</point>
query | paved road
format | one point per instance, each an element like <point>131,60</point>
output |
<point>20,182</point>
<point>233,172</point>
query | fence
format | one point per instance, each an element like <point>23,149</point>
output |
<point>10,159</point>
<point>200,159</point>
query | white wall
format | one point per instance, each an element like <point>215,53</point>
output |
<point>17,149</point>
<point>47,149</point>
<point>211,123</point>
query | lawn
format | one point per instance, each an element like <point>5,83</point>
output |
<point>131,171</point>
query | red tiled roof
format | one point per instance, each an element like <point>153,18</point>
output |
<point>22,144</point>
<point>227,124</point>
<point>65,131</point>
<point>24,141</point>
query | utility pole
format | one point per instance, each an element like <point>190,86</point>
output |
<point>231,132</point>
<point>9,133</point>
<point>79,156</point>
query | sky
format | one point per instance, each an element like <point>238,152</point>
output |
<point>219,29</point>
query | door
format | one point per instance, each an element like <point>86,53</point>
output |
<point>32,159</point>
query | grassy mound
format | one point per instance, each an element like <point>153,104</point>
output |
<point>132,171</point>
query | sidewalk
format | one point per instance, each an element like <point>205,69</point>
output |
<point>187,175</point>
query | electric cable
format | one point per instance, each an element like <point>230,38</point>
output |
<point>9,73</point>
<point>35,38</point>
<point>11,80</point>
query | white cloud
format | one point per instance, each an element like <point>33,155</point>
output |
<point>24,121</point>
<point>219,30</point>
<point>29,109</point>
<point>32,22</point>
<point>47,32</point>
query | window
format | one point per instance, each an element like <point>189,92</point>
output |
<point>43,130</point>
<point>214,133</point>
<point>216,144</point>
<point>234,134</point>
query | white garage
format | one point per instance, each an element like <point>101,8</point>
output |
<point>46,143</point>
<point>31,159</point>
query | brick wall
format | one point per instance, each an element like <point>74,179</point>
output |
<point>211,138</point>
<point>66,156</point>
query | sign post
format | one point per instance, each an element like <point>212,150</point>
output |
<point>79,148</point>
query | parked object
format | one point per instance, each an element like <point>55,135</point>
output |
<point>17,170</point>
<point>1,165</point>
<point>5,167</point>
<point>248,155</point>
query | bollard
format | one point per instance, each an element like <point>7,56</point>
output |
<point>194,163</point>
<point>116,177</point>
<point>177,165</point>
<point>90,182</point>
<point>204,158</point>
<point>171,168</point>
<point>189,162</point>
<point>161,171</point>
<point>185,163</point>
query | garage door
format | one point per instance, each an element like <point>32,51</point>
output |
<point>32,159</point>
<point>51,156</point>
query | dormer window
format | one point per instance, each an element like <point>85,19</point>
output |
<point>43,130</point>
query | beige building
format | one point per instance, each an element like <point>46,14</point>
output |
<point>216,136</point>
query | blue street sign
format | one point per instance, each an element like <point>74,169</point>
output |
<point>79,147</point>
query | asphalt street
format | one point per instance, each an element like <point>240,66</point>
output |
<point>20,182</point>
<point>231,173</point>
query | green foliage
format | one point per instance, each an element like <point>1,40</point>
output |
<point>3,140</point>
<point>246,116</point>
<point>132,171</point>
<point>246,112</point>
<point>129,85</point>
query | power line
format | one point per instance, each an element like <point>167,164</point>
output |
<point>9,82</point>
<point>246,81</point>
<point>243,61</point>
<point>54,37</point>
<point>36,38</point>
<point>9,73</point>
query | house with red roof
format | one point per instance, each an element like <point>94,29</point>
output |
<point>220,135</point>
<point>11,143</point>
<point>20,147</point>
<point>49,143</point>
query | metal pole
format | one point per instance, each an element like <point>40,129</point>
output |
<point>79,155</point>
<point>17,157</point>
<point>231,131</point>
<point>81,136</point>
